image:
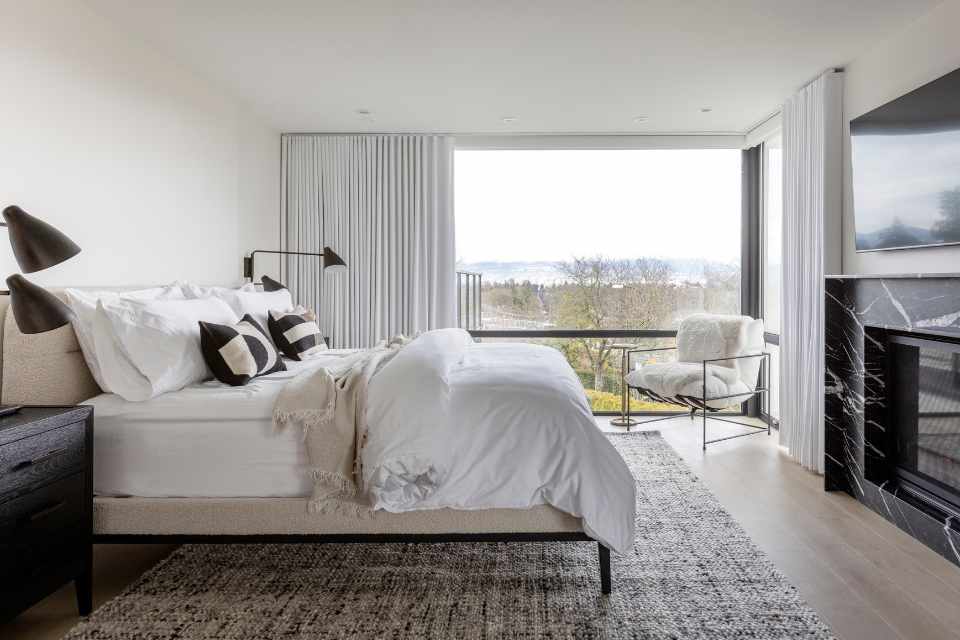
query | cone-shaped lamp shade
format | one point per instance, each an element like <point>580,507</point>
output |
<point>34,308</point>
<point>269,284</point>
<point>332,262</point>
<point>36,244</point>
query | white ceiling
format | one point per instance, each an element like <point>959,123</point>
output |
<point>556,66</point>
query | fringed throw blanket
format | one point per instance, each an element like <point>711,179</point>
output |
<point>329,406</point>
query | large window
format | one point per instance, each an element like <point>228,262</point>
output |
<point>582,249</point>
<point>772,221</point>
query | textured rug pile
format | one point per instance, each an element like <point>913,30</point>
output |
<point>693,574</point>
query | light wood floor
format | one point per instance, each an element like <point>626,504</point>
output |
<point>868,579</point>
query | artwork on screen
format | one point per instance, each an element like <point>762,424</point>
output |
<point>906,169</point>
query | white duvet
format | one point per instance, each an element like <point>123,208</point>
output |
<point>451,423</point>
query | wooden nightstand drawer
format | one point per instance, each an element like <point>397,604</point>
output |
<point>32,461</point>
<point>46,504</point>
<point>45,511</point>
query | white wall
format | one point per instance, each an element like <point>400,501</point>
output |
<point>154,173</point>
<point>919,53</point>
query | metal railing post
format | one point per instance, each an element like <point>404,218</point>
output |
<point>480,305</point>
<point>469,300</point>
<point>466,301</point>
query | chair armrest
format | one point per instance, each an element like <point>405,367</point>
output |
<point>632,351</point>
<point>645,350</point>
<point>762,354</point>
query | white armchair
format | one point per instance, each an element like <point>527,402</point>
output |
<point>718,364</point>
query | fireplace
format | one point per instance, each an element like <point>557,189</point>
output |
<point>892,400</point>
<point>923,426</point>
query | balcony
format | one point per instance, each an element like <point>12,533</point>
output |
<point>527,312</point>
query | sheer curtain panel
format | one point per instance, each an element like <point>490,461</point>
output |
<point>811,236</point>
<point>384,203</point>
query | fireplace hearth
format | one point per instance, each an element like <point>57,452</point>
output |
<point>892,401</point>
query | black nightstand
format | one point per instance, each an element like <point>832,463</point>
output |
<point>46,506</point>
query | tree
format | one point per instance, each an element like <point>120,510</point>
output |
<point>947,229</point>
<point>603,293</point>
<point>721,288</point>
<point>517,301</point>
<point>897,235</point>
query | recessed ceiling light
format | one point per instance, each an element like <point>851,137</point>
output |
<point>706,109</point>
<point>640,119</point>
<point>509,119</point>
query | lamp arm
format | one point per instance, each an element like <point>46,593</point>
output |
<point>248,261</point>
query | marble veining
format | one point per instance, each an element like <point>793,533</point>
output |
<point>858,310</point>
<point>892,276</point>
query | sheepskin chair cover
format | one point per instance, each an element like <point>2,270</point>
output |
<point>706,337</point>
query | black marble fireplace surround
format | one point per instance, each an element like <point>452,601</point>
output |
<point>861,312</point>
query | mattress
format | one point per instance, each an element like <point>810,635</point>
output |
<point>208,440</point>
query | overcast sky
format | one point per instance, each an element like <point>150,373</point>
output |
<point>552,205</point>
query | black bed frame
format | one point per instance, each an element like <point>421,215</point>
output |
<point>375,538</point>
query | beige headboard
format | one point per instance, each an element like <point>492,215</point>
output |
<point>44,368</point>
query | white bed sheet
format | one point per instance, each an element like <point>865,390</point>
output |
<point>208,440</point>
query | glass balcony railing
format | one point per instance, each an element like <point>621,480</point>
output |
<point>596,364</point>
<point>524,312</point>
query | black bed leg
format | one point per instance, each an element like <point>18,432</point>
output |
<point>84,588</point>
<point>604,568</point>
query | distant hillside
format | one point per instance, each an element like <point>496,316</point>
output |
<point>684,269</point>
<point>900,235</point>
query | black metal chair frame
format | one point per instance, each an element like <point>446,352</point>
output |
<point>702,403</point>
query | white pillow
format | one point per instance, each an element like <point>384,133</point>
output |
<point>120,376</point>
<point>83,303</point>
<point>196,291</point>
<point>162,338</point>
<point>258,304</point>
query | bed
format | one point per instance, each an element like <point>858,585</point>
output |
<point>254,494</point>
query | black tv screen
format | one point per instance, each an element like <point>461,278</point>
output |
<point>906,169</point>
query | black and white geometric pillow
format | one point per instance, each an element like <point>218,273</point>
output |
<point>296,333</point>
<point>239,353</point>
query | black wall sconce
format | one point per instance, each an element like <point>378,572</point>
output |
<point>332,263</point>
<point>36,246</point>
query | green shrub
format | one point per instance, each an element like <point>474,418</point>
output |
<point>603,401</point>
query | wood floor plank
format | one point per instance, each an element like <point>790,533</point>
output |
<point>893,579</point>
<point>849,615</point>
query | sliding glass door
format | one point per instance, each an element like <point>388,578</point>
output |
<point>585,249</point>
<point>772,214</point>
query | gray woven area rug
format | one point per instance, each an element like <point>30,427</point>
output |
<point>693,573</point>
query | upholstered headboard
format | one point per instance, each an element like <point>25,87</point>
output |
<point>45,368</point>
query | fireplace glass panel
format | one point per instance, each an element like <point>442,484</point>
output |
<point>926,413</point>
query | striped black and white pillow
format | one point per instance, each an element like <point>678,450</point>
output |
<point>296,333</point>
<point>238,353</point>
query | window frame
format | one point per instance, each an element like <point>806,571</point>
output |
<point>770,337</point>
<point>599,142</point>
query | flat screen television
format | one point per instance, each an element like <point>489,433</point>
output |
<point>906,169</point>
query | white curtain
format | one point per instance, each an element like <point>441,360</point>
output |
<point>811,214</point>
<point>384,203</point>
